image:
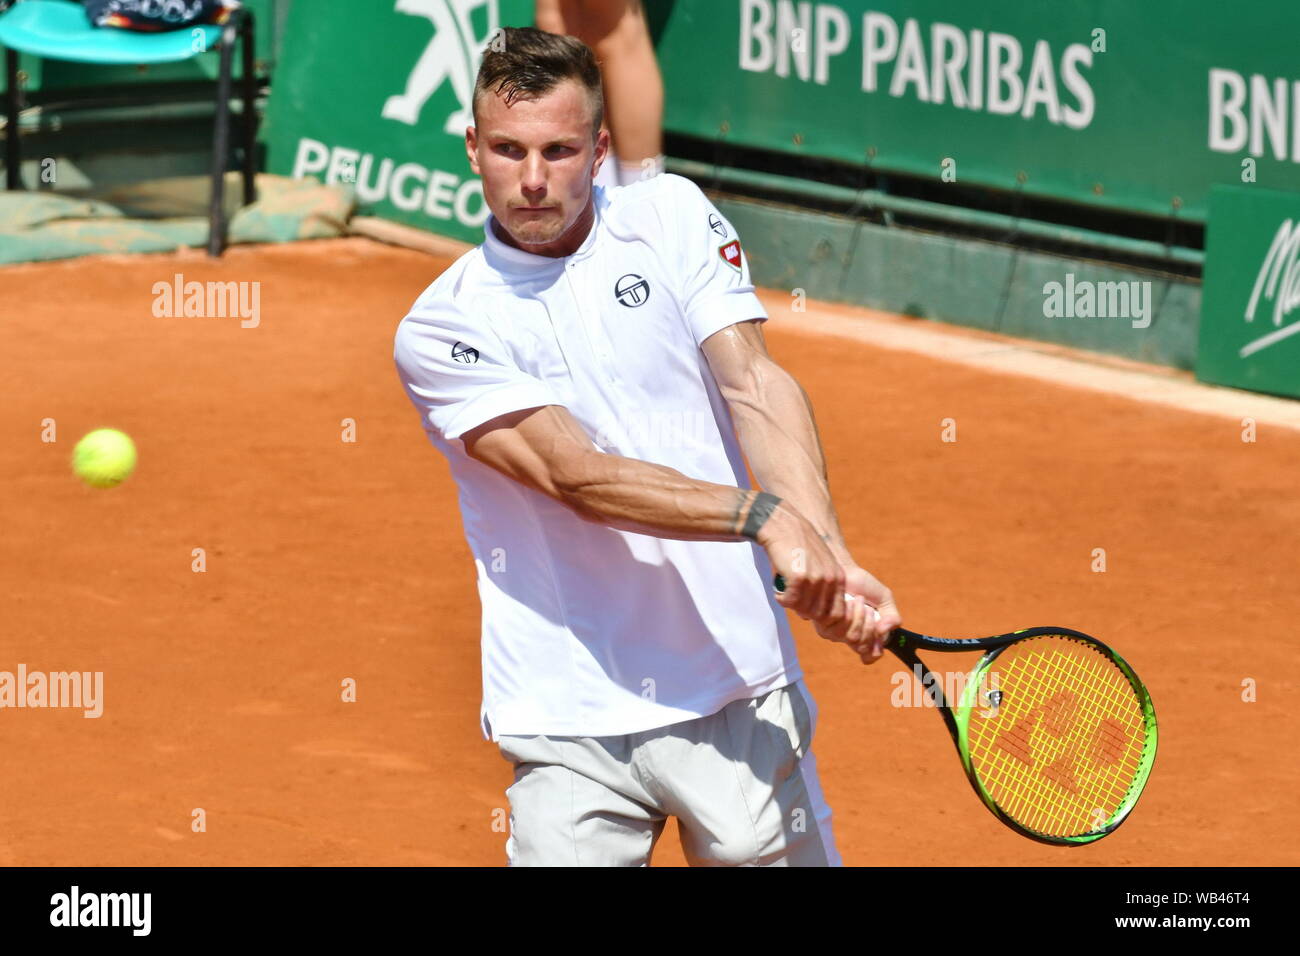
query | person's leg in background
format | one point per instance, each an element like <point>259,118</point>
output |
<point>634,88</point>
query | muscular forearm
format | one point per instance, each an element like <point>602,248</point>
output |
<point>777,430</point>
<point>640,496</point>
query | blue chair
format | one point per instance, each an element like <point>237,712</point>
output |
<point>59,30</point>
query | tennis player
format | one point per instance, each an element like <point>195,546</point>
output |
<point>593,373</point>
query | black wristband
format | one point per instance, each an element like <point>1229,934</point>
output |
<point>762,508</point>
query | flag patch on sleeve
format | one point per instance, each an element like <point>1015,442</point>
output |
<point>730,252</point>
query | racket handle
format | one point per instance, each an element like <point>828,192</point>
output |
<point>892,638</point>
<point>779,583</point>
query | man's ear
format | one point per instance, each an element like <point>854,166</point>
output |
<point>471,149</point>
<point>601,151</point>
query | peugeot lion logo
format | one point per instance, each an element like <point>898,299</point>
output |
<point>632,291</point>
<point>464,353</point>
<point>451,56</point>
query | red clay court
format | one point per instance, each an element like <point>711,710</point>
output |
<point>329,560</point>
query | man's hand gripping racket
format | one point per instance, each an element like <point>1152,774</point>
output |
<point>864,628</point>
<point>1056,732</point>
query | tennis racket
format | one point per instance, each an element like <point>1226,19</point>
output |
<point>1056,732</point>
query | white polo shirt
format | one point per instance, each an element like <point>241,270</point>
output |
<point>588,630</point>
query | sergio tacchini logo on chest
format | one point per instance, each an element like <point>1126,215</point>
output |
<point>632,290</point>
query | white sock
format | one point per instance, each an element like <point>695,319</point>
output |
<point>642,169</point>
<point>607,175</point>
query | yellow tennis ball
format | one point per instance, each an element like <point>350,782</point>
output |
<point>104,458</point>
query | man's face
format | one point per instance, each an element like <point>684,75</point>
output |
<point>537,161</point>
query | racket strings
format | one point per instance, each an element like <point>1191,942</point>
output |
<point>1046,787</point>
<point>1062,749</point>
<point>1048,791</point>
<point>1063,716</point>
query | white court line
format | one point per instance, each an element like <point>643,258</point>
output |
<point>1072,368</point>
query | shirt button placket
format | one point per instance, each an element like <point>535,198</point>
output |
<point>598,344</point>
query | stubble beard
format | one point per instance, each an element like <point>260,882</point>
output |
<point>540,231</point>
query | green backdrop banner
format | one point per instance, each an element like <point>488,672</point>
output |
<point>1138,106</point>
<point>381,98</point>
<point>1250,310</point>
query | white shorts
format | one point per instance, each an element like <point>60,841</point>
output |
<point>742,784</point>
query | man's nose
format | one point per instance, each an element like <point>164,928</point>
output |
<point>534,178</point>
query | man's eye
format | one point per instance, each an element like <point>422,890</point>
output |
<point>552,152</point>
